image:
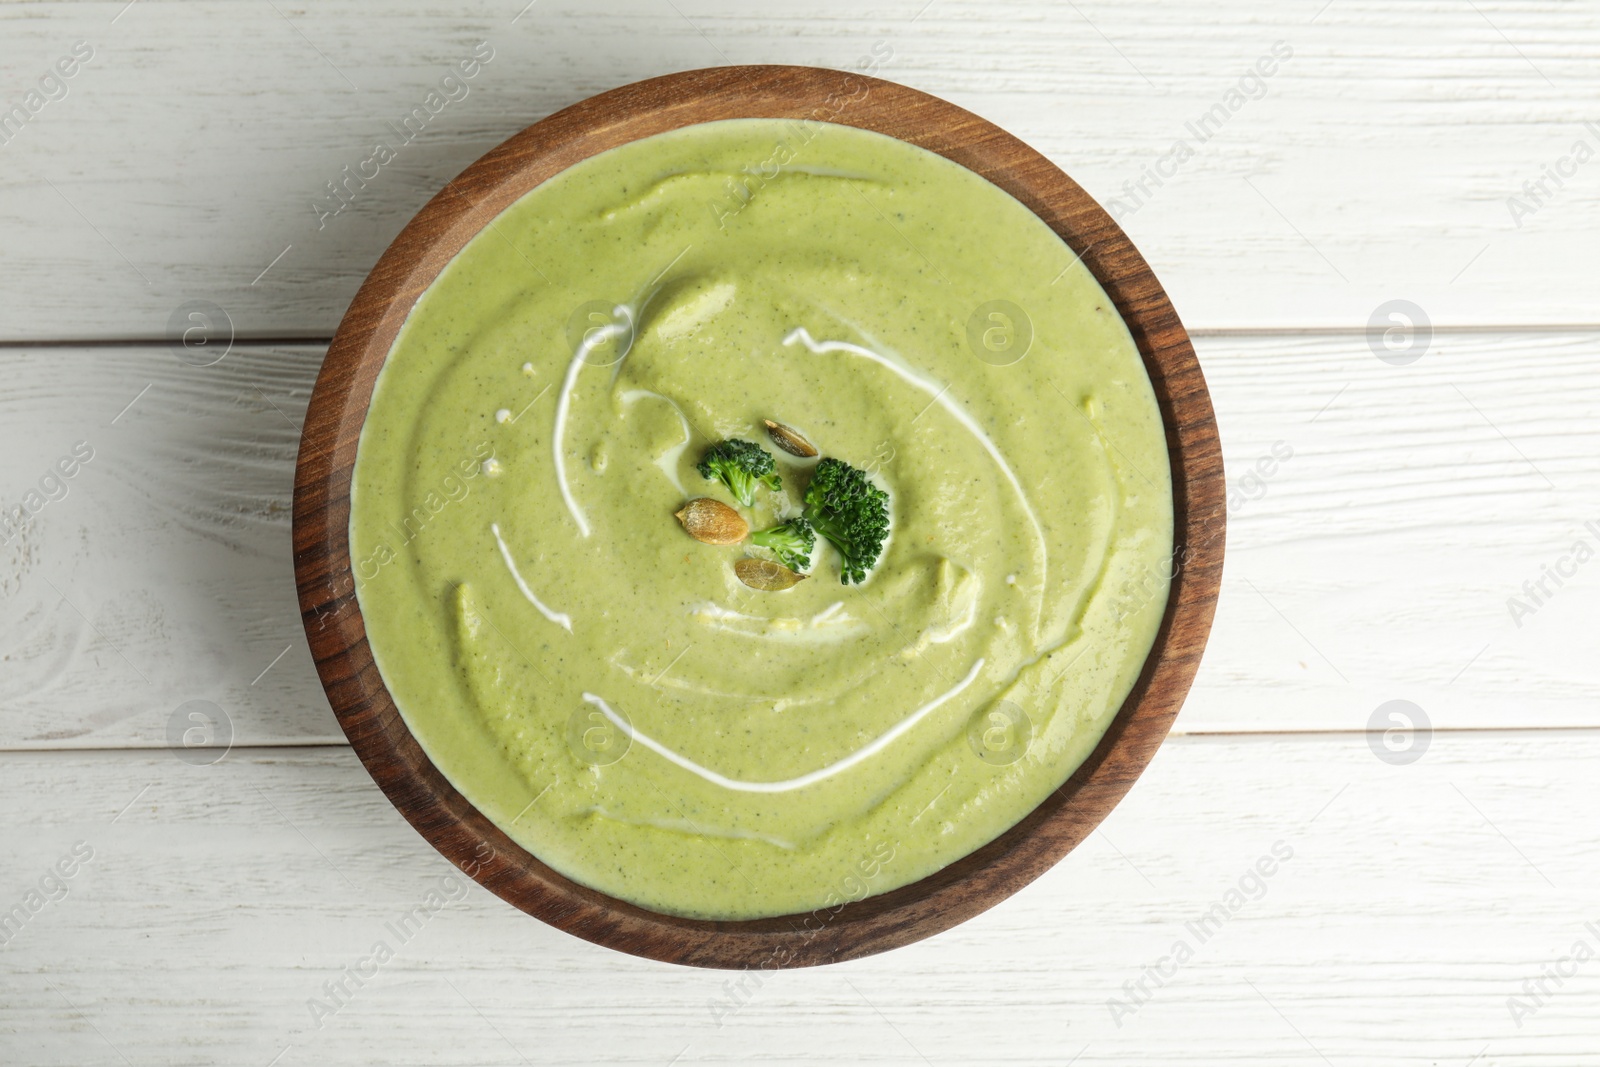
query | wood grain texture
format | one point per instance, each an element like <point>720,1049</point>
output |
<point>161,572</point>
<point>224,898</point>
<point>198,138</point>
<point>1382,155</point>
<point>463,208</point>
<point>1391,539</point>
<point>1381,559</point>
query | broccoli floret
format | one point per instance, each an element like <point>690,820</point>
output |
<point>852,513</point>
<point>741,466</point>
<point>792,541</point>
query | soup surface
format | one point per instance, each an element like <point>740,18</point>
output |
<point>602,685</point>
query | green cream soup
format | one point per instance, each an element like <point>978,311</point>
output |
<point>600,684</point>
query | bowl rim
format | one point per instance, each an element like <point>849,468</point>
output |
<point>336,632</point>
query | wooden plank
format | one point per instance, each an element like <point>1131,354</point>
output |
<point>1379,561</point>
<point>1415,903</point>
<point>186,156</point>
<point>1375,563</point>
<point>162,574</point>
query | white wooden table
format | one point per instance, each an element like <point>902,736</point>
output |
<point>1432,906</point>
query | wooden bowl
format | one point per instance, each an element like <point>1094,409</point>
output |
<point>333,620</point>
